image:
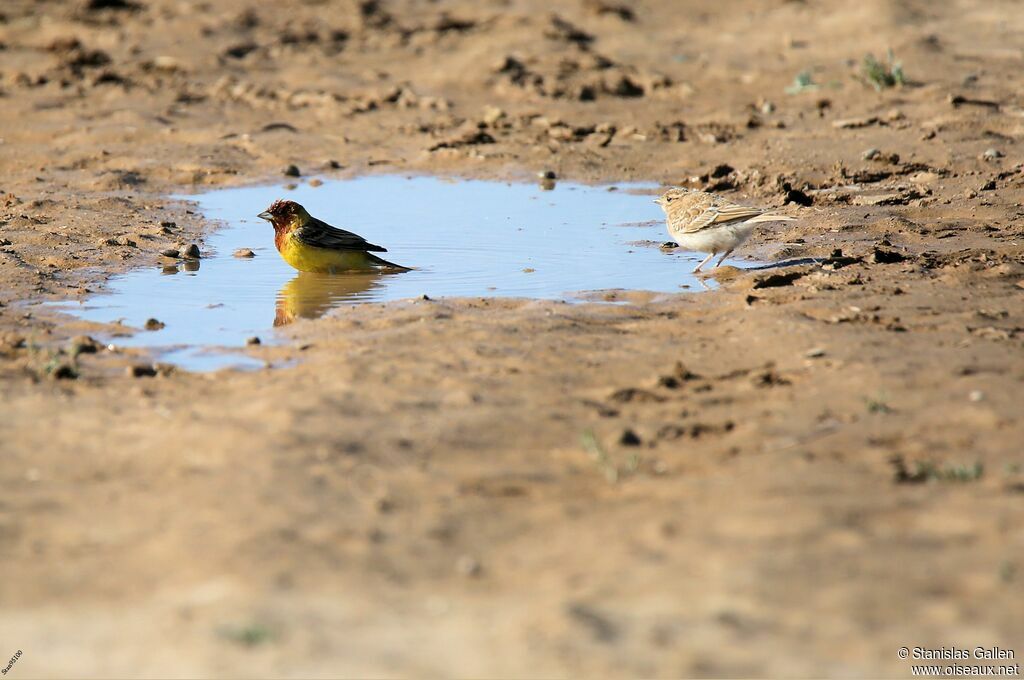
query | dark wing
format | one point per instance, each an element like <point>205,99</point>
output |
<point>319,234</point>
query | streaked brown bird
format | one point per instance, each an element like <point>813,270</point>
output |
<point>708,223</point>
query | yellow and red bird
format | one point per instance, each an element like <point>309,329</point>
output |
<point>312,245</point>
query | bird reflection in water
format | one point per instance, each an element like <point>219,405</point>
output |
<point>310,296</point>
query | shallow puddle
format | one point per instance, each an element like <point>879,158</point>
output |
<point>463,238</point>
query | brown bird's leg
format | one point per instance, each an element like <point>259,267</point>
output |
<point>704,262</point>
<point>722,259</point>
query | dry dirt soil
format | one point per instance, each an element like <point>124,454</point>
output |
<point>793,475</point>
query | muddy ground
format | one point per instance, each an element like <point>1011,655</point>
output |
<point>796,474</point>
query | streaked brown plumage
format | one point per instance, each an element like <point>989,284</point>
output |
<point>708,223</point>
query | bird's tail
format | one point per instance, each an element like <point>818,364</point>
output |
<point>771,218</point>
<point>381,262</point>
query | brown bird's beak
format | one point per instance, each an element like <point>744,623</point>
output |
<point>265,215</point>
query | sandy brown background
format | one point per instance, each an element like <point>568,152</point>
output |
<point>829,457</point>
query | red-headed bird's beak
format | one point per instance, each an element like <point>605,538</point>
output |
<point>265,215</point>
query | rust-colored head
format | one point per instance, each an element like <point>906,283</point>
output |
<point>282,214</point>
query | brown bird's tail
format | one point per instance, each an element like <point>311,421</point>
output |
<point>771,218</point>
<point>381,262</point>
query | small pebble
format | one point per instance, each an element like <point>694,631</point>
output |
<point>253,341</point>
<point>815,353</point>
<point>315,182</point>
<point>292,171</point>
<point>529,270</point>
<point>976,395</point>
<point>191,251</point>
<point>468,566</point>
<point>154,324</point>
<point>547,174</point>
<point>871,154</point>
<point>992,154</point>
<point>425,297</point>
<point>170,252</point>
<point>244,252</point>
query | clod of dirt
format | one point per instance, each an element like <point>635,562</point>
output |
<point>125,5</point>
<point>154,324</point>
<point>629,438</point>
<point>885,256</point>
<point>796,196</point>
<point>63,371</point>
<point>82,344</point>
<point>677,377</point>
<point>292,171</point>
<point>877,155</point>
<point>140,371</point>
<point>603,8</point>
<point>244,252</point>
<point>777,280</point>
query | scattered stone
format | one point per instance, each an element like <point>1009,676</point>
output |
<point>468,566</point>
<point>629,438</point>
<point>253,341</point>
<point>871,154</point>
<point>976,395</point>
<point>170,252</point>
<point>815,353</point>
<point>849,123</point>
<point>547,174</point>
<point>529,270</point>
<point>244,252</point>
<point>992,155</point>
<point>292,171</point>
<point>154,324</point>
<point>492,114</point>
<point>315,182</point>
<point>190,252</point>
<point>989,185</point>
<point>669,245</point>
<point>140,371</point>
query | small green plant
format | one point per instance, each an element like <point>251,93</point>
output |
<point>926,471</point>
<point>883,75</point>
<point>250,635</point>
<point>600,457</point>
<point>877,405</point>
<point>803,82</point>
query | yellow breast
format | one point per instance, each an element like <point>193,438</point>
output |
<point>320,260</point>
